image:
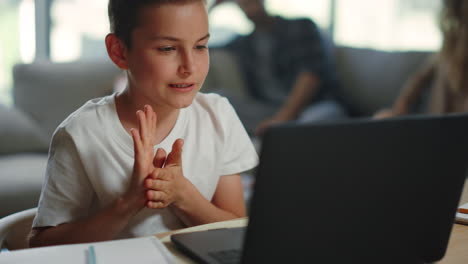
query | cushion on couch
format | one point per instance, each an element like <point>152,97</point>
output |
<point>225,76</point>
<point>19,133</point>
<point>372,79</point>
<point>21,177</point>
<point>49,92</point>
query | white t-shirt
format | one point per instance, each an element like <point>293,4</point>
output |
<point>91,161</point>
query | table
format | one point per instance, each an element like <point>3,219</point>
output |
<point>457,251</point>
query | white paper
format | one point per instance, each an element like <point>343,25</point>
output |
<point>136,250</point>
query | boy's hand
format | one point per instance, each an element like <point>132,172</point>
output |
<point>166,185</point>
<point>145,160</point>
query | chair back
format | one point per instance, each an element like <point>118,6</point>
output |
<point>15,228</point>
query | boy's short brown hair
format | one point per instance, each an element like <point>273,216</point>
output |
<point>124,14</point>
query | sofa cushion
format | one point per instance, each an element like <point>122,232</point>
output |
<point>49,92</point>
<point>21,178</point>
<point>372,79</point>
<point>225,76</point>
<point>19,133</point>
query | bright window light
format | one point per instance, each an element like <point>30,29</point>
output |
<point>388,24</point>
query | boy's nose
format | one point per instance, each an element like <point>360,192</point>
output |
<point>187,64</point>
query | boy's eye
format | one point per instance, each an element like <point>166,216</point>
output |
<point>166,49</point>
<point>201,47</point>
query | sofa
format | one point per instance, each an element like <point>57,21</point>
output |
<point>45,93</point>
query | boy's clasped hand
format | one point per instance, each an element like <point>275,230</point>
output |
<point>157,179</point>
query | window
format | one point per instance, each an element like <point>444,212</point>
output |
<point>227,19</point>
<point>388,24</point>
<point>317,10</point>
<point>78,29</point>
<point>17,41</point>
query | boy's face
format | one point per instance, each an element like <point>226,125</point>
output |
<point>169,59</point>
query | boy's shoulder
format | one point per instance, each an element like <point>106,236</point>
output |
<point>209,100</point>
<point>212,106</point>
<point>89,114</point>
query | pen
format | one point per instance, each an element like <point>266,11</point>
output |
<point>91,255</point>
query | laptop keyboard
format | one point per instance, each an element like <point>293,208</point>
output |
<point>231,256</point>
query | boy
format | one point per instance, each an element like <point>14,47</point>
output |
<point>103,180</point>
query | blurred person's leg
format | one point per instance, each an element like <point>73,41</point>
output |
<point>324,110</point>
<point>251,112</point>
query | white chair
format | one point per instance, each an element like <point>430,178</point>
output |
<point>14,229</point>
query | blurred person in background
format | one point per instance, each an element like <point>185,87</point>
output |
<point>441,85</point>
<point>287,69</point>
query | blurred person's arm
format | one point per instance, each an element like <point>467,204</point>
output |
<point>308,52</point>
<point>304,89</point>
<point>411,92</point>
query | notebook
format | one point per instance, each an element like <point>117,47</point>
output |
<point>462,215</point>
<point>358,191</point>
<point>143,250</point>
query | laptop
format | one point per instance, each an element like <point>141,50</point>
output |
<point>358,191</point>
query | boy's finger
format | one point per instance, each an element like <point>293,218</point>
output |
<point>167,177</point>
<point>138,150</point>
<point>175,157</point>
<point>159,158</point>
<point>149,116</point>
<point>156,184</point>
<point>155,174</point>
<point>137,144</point>
<point>142,124</point>
<point>149,119</point>
<point>154,120</point>
<point>156,196</point>
<point>155,205</point>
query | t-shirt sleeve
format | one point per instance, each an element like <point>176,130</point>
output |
<point>67,192</point>
<point>238,153</point>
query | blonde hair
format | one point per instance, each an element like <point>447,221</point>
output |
<point>453,55</point>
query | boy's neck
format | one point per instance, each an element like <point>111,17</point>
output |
<point>127,106</point>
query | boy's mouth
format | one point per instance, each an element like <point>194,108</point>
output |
<point>182,87</point>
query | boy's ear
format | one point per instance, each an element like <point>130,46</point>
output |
<point>116,51</point>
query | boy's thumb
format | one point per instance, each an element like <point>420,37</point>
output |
<point>175,157</point>
<point>159,158</point>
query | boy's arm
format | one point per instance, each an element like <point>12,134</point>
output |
<point>227,203</point>
<point>167,187</point>
<point>110,221</point>
<point>105,225</point>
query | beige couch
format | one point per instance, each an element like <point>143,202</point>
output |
<point>45,93</point>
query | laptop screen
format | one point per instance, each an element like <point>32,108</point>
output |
<point>352,192</point>
<point>358,192</point>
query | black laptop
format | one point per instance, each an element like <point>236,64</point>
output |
<point>358,191</point>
